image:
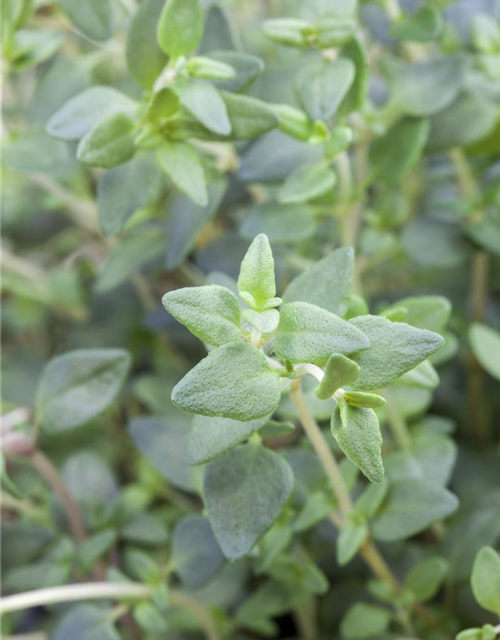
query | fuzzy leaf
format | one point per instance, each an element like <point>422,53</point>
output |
<point>257,273</point>
<point>79,385</point>
<point>425,312</point>
<point>234,381</point>
<point>266,322</point>
<point>182,164</point>
<point>364,399</point>
<point>485,579</point>
<point>180,27</point>
<point>111,142</point>
<point>340,371</point>
<point>211,313</point>
<point>327,283</point>
<point>395,347</point>
<point>307,333</point>
<point>244,493</point>
<point>306,183</point>
<point>358,433</point>
<point>209,438</point>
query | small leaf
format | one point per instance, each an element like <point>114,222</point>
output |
<point>180,27</point>
<point>209,438</point>
<point>205,103</point>
<point>340,371</point>
<point>81,114</point>
<point>306,183</point>
<point>249,117</point>
<point>425,312</point>
<point>276,429</point>
<point>371,499</point>
<point>485,579</point>
<point>358,433</point>
<point>425,578</point>
<point>164,104</point>
<point>247,68</point>
<point>351,537</point>
<point>291,32</point>
<point>244,493</point>
<point>410,507</point>
<point>321,87</point>
<point>196,555</point>
<point>211,313</point>
<point>356,52</point>
<point>94,18</point>
<point>307,333</point>
<point>425,24</point>
<point>334,31</point>
<point>79,385</point>
<point>395,347</point>
<point>86,622</point>
<point>364,399</point>
<point>486,33</point>
<point>111,142</point>
<point>204,67</point>
<point>234,381</point>
<point>485,344</point>
<point>145,59</point>
<point>364,621</point>
<point>327,283</point>
<point>266,322</point>
<point>257,273</point>
<point>182,164</point>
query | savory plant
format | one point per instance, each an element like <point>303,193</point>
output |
<point>324,464</point>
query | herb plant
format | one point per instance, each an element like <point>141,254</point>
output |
<point>319,465</point>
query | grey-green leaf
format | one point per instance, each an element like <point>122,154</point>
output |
<point>86,622</point>
<point>180,27</point>
<point>211,313</point>
<point>205,103</point>
<point>327,283</point>
<point>364,621</point>
<point>182,164</point>
<point>425,578</point>
<point>244,493</point>
<point>307,333</point>
<point>358,433</point>
<point>395,347</point>
<point>79,385</point>
<point>350,539</point>
<point>257,273</point>
<point>364,399</point>
<point>485,343</point>
<point>339,371</point>
<point>111,142</point>
<point>249,117</point>
<point>94,18</point>
<point>485,579</point>
<point>306,183</point>
<point>234,381</point>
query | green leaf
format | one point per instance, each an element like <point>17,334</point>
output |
<point>485,579</point>
<point>423,376</point>
<point>32,47</point>
<point>205,67</point>
<point>425,578</point>
<point>393,155</point>
<point>249,117</point>
<point>209,438</point>
<point>182,164</point>
<point>320,88</point>
<point>395,347</point>
<point>364,399</point>
<point>218,32</point>
<point>110,142</point>
<point>79,385</point>
<point>94,18</point>
<point>358,433</point>
<point>135,251</point>
<point>234,381</point>
<point>318,506</point>
<point>145,59</point>
<point>266,322</point>
<point>291,32</point>
<point>86,622</point>
<point>211,313</point>
<point>196,555</point>
<point>256,279</point>
<point>276,429</point>
<point>149,618</point>
<point>424,88</point>
<point>145,529</point>
<point>485,343</point>
<point>163,104</point>
<point>81,114</point>
<point>124,189</point>
<point>205,103</point>
<point>327,283</point>
<point>306,183</point>
<point>307,333</point>
<point>425,24</point>
<point>95,547</point>
<point>355,51</point>
<point>280,223</point>
<point>334,31</point>
<point>247,69</point>
<point>180,27</point>
<point>162,442</point>
<point>351,537</point>
<point>425,312</point>
<point>244,493</point>
<point>364,621</point>
<point>340,371</point>
<point>371,499</point>
<point>486,33</point>
<point>411,506</point>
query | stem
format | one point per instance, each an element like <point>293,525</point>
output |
<point>49,473</point>
<point>321,447</point>
<point>24,507</point>
<point>398,425</point>
<point>183,601</point>
<point>74,592</point>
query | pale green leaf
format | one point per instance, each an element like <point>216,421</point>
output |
<point>205,103</point>
<point>485,579</point>
<point>364,621</point>
<point>211,313</point>
<point>485,343</point>
<point>340,371</point>
<point>307,333</point>
<point>425,24</point>
<point>280,223</point>
<point>257,273</point>
<point>248,117</point>
<point>180,27</point>
<point>182,164</point>
<point>425,578</point>
<point>111,142</point>
<point>94,18</point>
<point>247,68</point>
<point>233,381</point>
<point>244,493</point>
<point>425,312</point>
<point>351,537</point>
<point>395,347</point>
<point>364,399</point>
<point>306,183</point>
<point>266,321</point>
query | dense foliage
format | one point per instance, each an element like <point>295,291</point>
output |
<point>251,301</point>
